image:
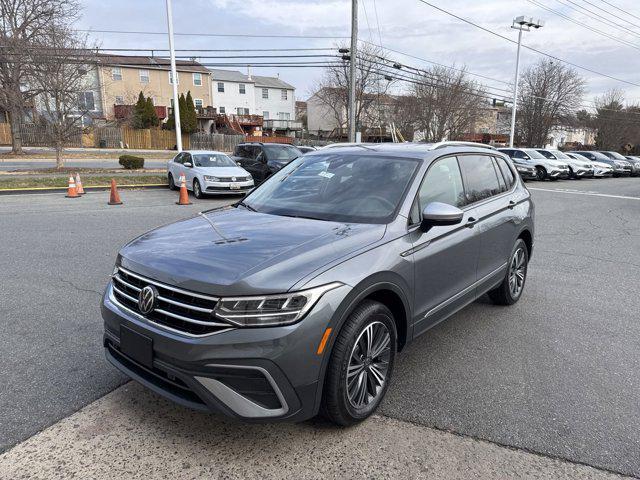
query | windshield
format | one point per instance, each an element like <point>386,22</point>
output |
<point>560,155</point>
<point>344,188</point>
<point>533,153</point>
<point>281,154</point>
<point>212,160</point>
<point>616,155</point>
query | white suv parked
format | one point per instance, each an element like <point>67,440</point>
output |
<point>577,168</point>
<point>545,167</point>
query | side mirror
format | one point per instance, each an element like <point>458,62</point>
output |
<point>188,164</point>
<point>239,164</point>
<point>439,214</point>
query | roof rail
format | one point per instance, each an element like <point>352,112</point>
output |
<point>453,143</point>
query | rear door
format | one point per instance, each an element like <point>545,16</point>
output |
<point>444,257</point>
<point>488,190</point>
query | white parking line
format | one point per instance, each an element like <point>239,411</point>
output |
<point>578,192</point>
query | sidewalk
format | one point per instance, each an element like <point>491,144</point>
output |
<point>132,433</point>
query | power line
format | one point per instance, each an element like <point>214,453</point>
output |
<point>583,25</point>
<point>203,34</point>
<point>598,17</point>
<point>620,9</point>
<point>496,34</point>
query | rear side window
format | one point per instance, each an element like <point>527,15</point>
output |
<point>501,182</point>
<point>442,183</point>
<point>480,178</point>
<point>507,173</point>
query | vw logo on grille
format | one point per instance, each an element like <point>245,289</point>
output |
<point>147,299</point>
<point>233,179</point>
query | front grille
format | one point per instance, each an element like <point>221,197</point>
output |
<point>177,309</point>
<point>228,189</point>
<point>230,179</point>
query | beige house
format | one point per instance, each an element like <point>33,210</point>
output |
<point>123,77</point>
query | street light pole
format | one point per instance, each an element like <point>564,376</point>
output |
<point>521,24</point>
<point>174,78</point>
<point>352,71</point>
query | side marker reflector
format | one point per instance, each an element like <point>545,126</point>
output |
<point>323,342</point>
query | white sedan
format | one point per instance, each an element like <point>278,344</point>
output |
<point>208,173</point>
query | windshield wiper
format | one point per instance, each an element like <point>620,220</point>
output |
<point>247,206</point>
<point>303,216</point>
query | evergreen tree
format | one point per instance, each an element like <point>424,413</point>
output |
<point>182,104</point>
<point>191,115</point>
<point>139,112</point>
<point>151,117</point>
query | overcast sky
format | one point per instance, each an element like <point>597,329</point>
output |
<point>408,26</point>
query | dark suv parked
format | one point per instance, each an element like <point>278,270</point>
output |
<point>295,301</point>
<point>262,160</point>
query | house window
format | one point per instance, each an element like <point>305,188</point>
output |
<point>119,100</point>
<point>144,76</point>
<point>197,102</point>
<point>283,94</point>
<point>284,116</point>
<point>171,78</point>
<point>85,102</point>
<point>222,110</point>
<point>116,73</point>
<point>242,89</point>
<point>242,111</point>
<point>265,93</point>
<point>220,87</point>
<point>197,79</point>
<point>265,115</point>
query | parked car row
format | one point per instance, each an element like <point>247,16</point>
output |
<point>549,164</point>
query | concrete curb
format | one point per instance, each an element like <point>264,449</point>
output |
<point>97,188</point>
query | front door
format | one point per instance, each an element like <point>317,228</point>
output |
<point>444,257</point>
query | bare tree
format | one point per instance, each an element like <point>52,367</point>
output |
<point>64,74</point>
<point>22,25</point>
<point>617,124</point>
<point>448,103</point>
<point>549,91</point>
<point>332,91</point>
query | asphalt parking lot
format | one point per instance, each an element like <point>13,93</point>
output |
<point>557,374</point>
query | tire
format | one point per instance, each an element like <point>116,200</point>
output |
<point>172,183</point>
<point>504,294</point>
<point>197,190</point>
<point>572,174</point>
<point>541,173</point>
<point>347,405</point>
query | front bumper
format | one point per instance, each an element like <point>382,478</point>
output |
<point>254,374</point>
<point>527,174</point>
<point>213,188</point>
<point>559,173</point>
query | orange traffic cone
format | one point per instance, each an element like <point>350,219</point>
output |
<point>72,191</point>
<point>79,185</point>
<point>183,199</point>
<point>114,197</point>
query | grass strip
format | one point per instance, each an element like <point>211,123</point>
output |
<point>87,181</point>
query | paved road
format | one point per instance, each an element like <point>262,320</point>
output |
<point>14,165</point>
<point>556,374</point>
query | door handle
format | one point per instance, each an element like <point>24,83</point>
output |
<point>471,222</point>
<point>512,204</point>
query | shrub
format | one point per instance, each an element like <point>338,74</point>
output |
<point>131,162</point>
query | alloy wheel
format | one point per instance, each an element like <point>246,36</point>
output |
<point>541,173</point>
<point>368,365</point>
<point>517,272</point>
<point>197,192</point>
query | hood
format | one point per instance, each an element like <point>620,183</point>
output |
<point>246,253</point>
<point>557,163</point>
<point>223,171</point>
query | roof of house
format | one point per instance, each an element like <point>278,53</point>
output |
<point>259,81</point>
<point>150,62</point>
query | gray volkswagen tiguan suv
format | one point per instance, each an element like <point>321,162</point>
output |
<point>296,300</point>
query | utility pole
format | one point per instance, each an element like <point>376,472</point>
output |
<point>352,70</point>
<point>174,78</point>
<point>522,24</point>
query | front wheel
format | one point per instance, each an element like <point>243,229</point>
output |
<point>197,190</point>
<point>361,364</point>
<point>541,173</point>
<point>172,183</point>
<point>511,288</point>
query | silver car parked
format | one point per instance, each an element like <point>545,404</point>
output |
<point>546,168</point>
<point>577,168</point>
<point>208,173</point>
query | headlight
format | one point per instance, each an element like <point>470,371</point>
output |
<point>210,178</point>
<point>270,310</point>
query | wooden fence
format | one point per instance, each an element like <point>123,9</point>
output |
<point>143,139</point>
<point>5,134</point>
